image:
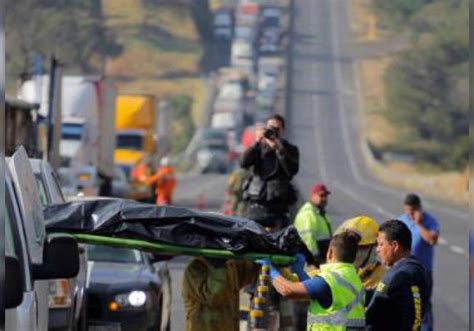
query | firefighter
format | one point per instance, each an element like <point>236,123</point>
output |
<point>369,268</point>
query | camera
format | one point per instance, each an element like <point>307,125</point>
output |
<point>270,133</point>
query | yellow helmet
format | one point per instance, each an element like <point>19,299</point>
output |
<point>364,226</point>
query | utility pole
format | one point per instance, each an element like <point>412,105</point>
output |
<point>54,114</point>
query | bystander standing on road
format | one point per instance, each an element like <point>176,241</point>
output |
<point>314,224</point>
<point>400,298</point>
<point>424,230</point>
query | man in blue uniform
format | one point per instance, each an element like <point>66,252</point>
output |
<point>400,298</point>
<point>424,230</point>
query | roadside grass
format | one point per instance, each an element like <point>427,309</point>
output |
<point>376,128</point>
<point>362,22</point>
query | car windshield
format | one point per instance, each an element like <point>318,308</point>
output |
<point>119,174</point>
<point>214,134</point>
<point>65,178</point>
<point>113,254</point>
<point>130,141</point>
<point>72,131</point>
<point>43,196</point>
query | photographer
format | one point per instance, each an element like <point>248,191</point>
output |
<point>274,162</point>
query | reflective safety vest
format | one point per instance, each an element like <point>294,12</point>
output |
<point>347,308</point>
<point>313,228</point>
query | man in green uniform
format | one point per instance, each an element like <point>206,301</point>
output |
<point>314,224</point>
<point>211,292</point>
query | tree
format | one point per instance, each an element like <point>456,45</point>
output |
<point>202,17</point>
<point>73,30</point>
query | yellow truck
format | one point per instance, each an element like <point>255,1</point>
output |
<point>136,121</point>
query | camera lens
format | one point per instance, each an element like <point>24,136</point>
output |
<point>270,133</point>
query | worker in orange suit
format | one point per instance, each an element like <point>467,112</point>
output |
<point>140,170</point>
<point>165,182</point>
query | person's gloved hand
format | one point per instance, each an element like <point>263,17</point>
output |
<point>273,271</point>
<point>298,267</point>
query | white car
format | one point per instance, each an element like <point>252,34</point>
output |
<point>241,51</point>
<point>267,82</point>
<point>246,34</point>
<point>32,257</point>
<point>233,91</point>
<point>68,181</point>
<point>245,66</point>
<point>227,120</point>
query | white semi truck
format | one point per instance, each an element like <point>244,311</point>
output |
<point>87,140</point>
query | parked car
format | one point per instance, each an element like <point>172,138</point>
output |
<point>267,98</point>
<point>227,120</point>
<point>213,159</point>
<point>32,258</point>
<point>120,185</point>
<point>269,41</point>
<point>67,305</point>
<point>127,291</point>
<point>270,17</point>
<point>246,66</point>
<point>246,34</point>
<point>88,181</point>
<point>67,181</point>
<point>241,51</point>
<point>267,82</point>
<point>228,105</point>
<point>223,25</point>
<point>232,91</point>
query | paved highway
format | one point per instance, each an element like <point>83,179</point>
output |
<point>322,121</point>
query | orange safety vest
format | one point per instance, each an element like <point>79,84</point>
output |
<point>165,184</point>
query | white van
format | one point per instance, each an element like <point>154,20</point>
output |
<point>31,256</point>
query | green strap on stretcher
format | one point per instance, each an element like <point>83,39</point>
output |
<point>170,249</point>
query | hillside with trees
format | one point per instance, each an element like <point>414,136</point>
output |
<point>427,84</point>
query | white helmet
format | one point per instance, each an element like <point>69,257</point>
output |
<point>165,161</point>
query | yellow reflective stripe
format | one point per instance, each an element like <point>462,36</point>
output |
<point>417,305</point>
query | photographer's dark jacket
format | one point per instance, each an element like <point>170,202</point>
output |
<point>275,169</point>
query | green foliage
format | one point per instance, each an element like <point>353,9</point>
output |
<point>427,86</point>
<point>72,30</point>
<point>182,126</point>
<point>396,13</point>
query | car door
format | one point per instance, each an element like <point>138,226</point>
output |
<point>53,183</point>
<point>23,317</point>
<point>33,225</point>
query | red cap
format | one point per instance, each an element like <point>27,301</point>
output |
<point>319,188</point>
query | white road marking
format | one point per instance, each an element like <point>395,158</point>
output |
<point>357,197</point>
<point>442,241</point>
<point>342,114</point>
<point>457,249</point>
